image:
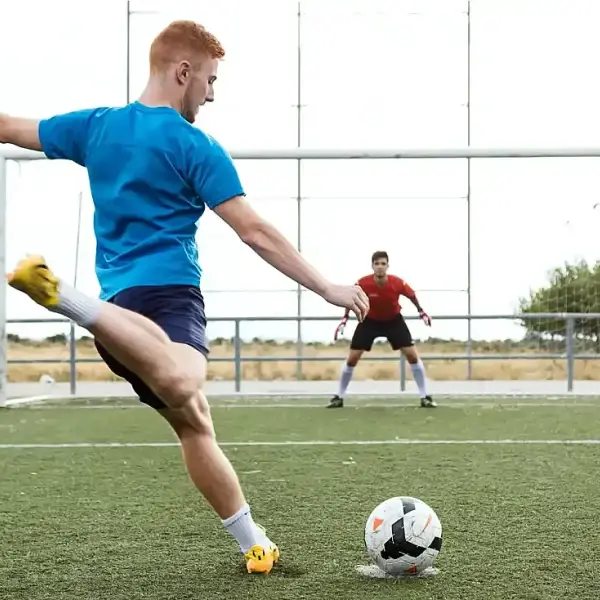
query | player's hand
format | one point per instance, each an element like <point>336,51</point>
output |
<point>351,297</point>
<point>339,330</point>
<point>425,318</point>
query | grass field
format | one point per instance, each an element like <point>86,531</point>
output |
<point>518,500</point>
<point>441,370</point>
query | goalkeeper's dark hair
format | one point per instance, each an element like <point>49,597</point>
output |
<point>380,254</point>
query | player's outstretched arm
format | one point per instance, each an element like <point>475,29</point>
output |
<point>275,249</point>
<point>20,132</point>
<point>412,296</point>
<point>62,136</point>
<point>270,244</point>
<point>212,174</point>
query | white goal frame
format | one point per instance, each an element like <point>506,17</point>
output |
<point>466,152</point>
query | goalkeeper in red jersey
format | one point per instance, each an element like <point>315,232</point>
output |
<point>384,319</point>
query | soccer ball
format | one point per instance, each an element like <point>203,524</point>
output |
<point>403,536</point>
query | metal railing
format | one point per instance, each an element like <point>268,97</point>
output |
<point>570,339</point>
<point>299,154</point>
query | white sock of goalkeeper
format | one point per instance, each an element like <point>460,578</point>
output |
<point>345,380</point>
<point>418,373</point>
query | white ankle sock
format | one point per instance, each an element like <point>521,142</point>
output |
<point>243,528</point>
<point>345,380</point>
<point>76,305</point>
<point>418,373</point>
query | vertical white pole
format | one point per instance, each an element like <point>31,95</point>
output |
<point>469,208</point>
<point>3,343</point>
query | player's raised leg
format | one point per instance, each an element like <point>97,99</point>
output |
<point>175,373</point>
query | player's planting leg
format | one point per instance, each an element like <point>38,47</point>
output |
<point>345,378</point>
<point>213,474</point>
<point>175,373</point>
<point>418,372</point>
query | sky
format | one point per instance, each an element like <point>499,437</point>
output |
<point>374,74</point>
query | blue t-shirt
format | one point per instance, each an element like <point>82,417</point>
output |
<point>152,174</point>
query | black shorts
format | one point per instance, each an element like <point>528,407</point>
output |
<point>177,309</point>
<point>396,331</point>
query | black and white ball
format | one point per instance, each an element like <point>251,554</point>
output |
<point>403,536</point>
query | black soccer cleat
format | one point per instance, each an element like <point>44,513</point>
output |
<point>336,402</point>
<point>428,402</point>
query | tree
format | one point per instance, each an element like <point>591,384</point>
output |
<point>572,288</point>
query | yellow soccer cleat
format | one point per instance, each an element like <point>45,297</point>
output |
<point>261,559</point>
<point>33,277</point>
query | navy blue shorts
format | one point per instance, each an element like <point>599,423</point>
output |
<point>177,309</point>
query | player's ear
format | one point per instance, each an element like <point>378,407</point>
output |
<point>183,72</point>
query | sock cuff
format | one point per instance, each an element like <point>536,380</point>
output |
<point>348,368</point>
<point>77,306</point>
<point>238,515</point>
<point>418,365</point>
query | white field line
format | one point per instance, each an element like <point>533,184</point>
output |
<point>460,405</point>
<point>361,399</point>
<point>589,442</point>
<point>28,400</point>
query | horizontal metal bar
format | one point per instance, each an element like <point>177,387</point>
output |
<point>516,317</point>
<point>375,357</point>
<point>87,360</point>
<point>32,321</point>
<point>11,152</point>
<point>396,358</point>
<point>42,361</point>
<point>304,290</point>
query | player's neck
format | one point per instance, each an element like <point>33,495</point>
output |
<point>154,95</point>
<point>380,280</point>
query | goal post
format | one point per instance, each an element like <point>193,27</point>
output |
<point>3,336</point>
<point>11,153</point>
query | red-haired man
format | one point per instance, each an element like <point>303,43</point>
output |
<point>152,175</point>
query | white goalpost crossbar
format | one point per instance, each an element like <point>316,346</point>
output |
<point>8,152</point>
<point>13,153</point>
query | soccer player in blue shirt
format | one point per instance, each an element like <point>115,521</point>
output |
<point>152,175</point>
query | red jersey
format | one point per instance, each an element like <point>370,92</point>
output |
<point>384,299</point>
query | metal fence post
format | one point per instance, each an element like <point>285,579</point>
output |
<point>402,373</point>
<point>569,343</point>
<point>237,355</point>
<point>72,360</point>
<point>299,349</point>
<point>469,347</point>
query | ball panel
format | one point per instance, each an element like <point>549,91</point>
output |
<point>397,545</point>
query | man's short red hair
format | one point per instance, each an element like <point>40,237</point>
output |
<point>183,40</point>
